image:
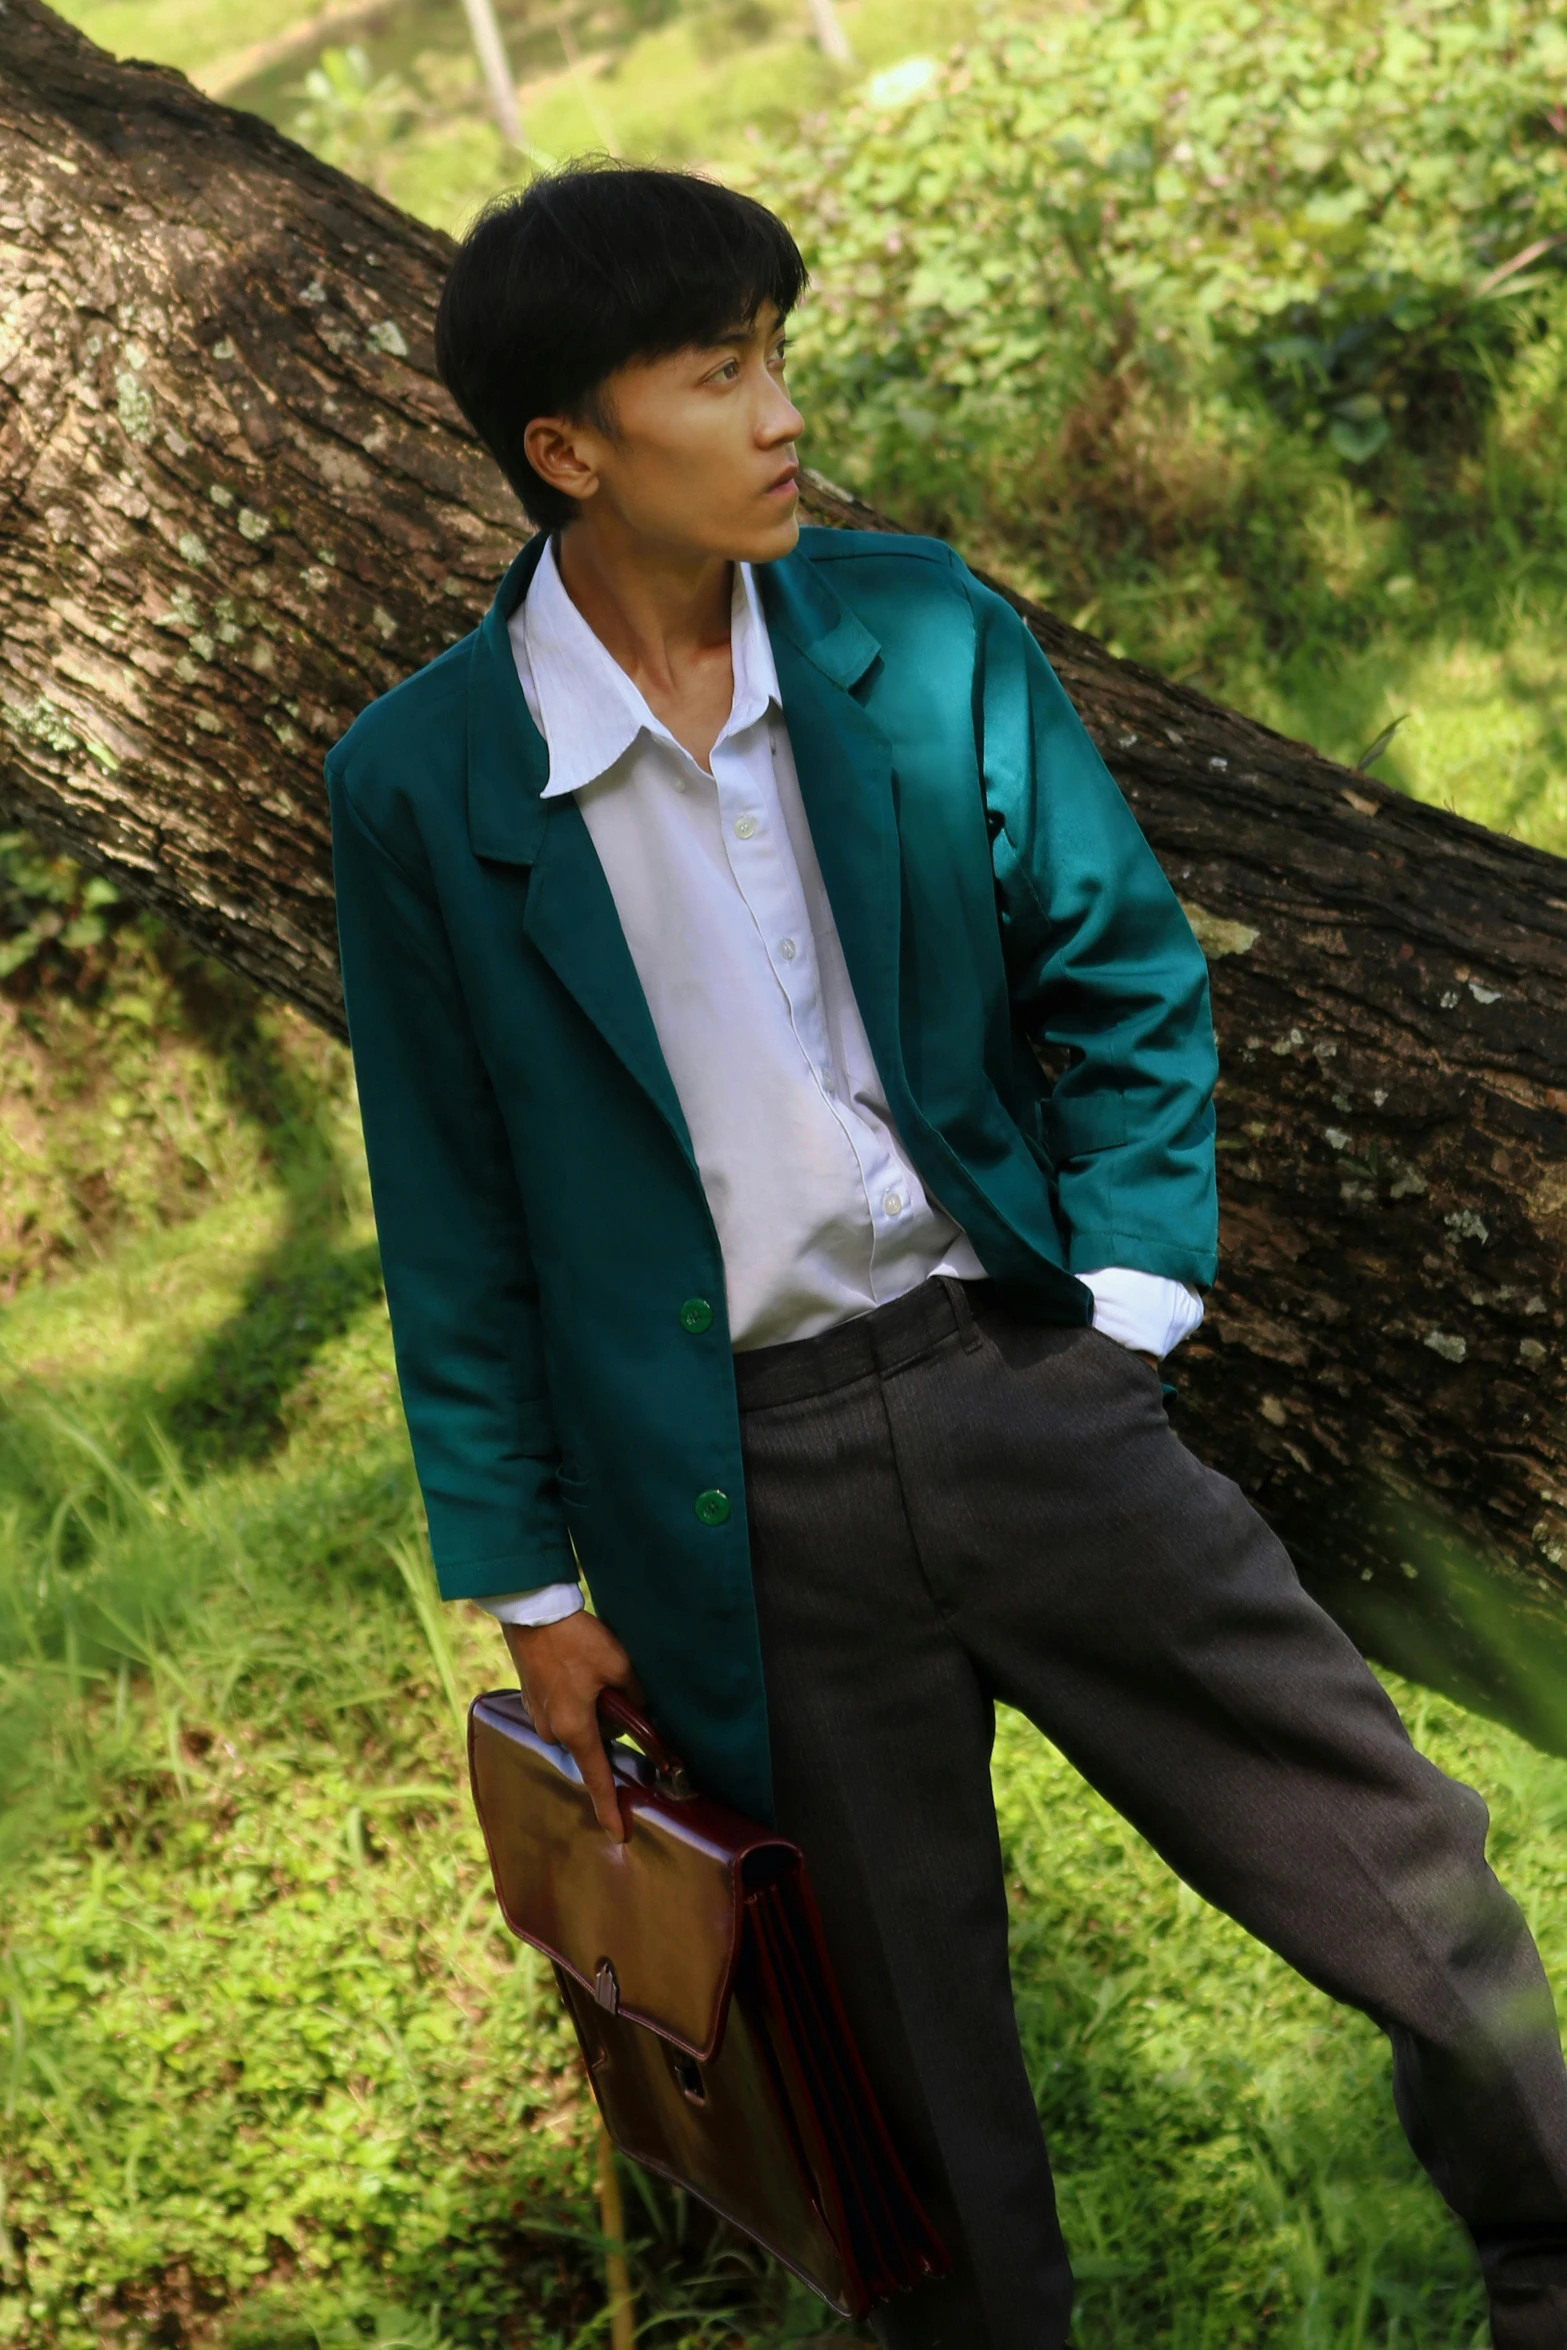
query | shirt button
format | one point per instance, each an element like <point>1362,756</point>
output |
<point>892,1201</point>
<point>787,949</point>
<point>696,1315</point>
<point>712,1507</point>
<point>826,1081</point>
<point>744,827</point>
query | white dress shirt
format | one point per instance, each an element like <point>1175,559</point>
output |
<point>820,1215</point>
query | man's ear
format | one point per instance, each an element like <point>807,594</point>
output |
<point>562,454</point>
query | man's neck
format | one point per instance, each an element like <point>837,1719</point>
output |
<point>664,618</point>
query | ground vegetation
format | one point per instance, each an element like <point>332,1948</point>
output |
<point>274,2076</point>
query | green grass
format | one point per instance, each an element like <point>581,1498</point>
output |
<point>137,1093</point>
<point>1481,695</point>
<point>186,33</point>
<point>273,2073</point>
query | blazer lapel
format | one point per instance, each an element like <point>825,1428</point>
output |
<point>821,651</point>
<point>569,914</point>
<point>571,919</point>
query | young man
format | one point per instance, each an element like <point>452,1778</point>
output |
<point>701,913</point>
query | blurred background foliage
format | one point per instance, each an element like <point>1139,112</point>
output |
<point>1239,335</point>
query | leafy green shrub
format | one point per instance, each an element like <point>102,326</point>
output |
<point>351,116</point>
<point>1137,298</point>
<point>52,914</point>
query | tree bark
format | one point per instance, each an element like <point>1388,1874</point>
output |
<point>235,504</point>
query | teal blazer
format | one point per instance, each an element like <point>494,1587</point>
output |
<point>553,1273</point>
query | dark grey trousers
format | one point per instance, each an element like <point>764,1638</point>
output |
<point>949,1507</point>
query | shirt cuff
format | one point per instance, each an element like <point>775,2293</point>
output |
<point>548,1605</point>
<point>1142,1310</point>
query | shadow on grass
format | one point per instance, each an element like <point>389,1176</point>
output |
<point>227,1403</point>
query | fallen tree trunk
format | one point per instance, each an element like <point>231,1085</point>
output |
<point>235,504</point>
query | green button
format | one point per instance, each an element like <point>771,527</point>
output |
<point>712,1507</point>
<point>696,1315</point>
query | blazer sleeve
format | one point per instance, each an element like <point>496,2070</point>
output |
<point>460,1279</point>
<point>1103,973</point>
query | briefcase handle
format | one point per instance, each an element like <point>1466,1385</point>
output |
<point>616,1712</point>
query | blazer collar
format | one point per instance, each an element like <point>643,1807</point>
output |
<point>801,605</point>
<point>508,760</point>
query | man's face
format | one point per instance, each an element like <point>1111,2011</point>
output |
<point>700,458</point>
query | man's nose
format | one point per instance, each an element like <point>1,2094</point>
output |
<point>782,422</point>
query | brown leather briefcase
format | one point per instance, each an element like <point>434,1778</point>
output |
<point>692,1964</point>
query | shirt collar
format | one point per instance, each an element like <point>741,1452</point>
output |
<point>756,677</point>
<point>589,712</point>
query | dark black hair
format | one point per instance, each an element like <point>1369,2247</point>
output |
<point>588,269</point>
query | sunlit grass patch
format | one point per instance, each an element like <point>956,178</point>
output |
<point>154,1296</point>
<point>1487,730</point>
<point>1224,2137</point>
<point>278,2080</point>
<point>186,33</point>
<point>1481,714</point>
